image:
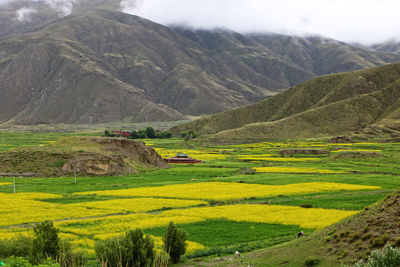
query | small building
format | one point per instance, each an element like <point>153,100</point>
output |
<point>122,133</point>
<point>182,158</point>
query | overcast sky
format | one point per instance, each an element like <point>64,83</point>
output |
<point>366,21</point>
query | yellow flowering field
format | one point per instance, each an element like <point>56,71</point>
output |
<point>10,233</point>
<point>280,159</point>
<point>2,184</point>
<point>101,228</point>
<point>136,204</point>
<point>25,208</point>
<point>197,154</point>
<point>294,170</point>
<point>275,214</point>
<point>225,191</point>
<point>357,150</point>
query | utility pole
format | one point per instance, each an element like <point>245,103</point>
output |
<point>75,171</point>
<point>14,184</point>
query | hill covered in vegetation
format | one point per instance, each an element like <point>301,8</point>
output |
<point>329,105</point>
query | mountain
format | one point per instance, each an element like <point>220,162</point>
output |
<point>391,46</point>
<point>324,106</point>
<point>100,65</point>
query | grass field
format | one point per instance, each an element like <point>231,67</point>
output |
<point>229,202</point>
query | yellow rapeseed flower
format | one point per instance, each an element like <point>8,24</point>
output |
<point>225,191</point>
<point>294,170</point>
<point>309,218</point>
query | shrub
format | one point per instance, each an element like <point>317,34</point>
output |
<point>189,135</point>
<point>161,135</point>
<point>396,242</point>
<point>387,257</point>
<point>379,241</point>
<point>67,257</point>
<point>134,135</point>
<point>175,242</point>
<point>46,242</point>
<point>150,132</point>
<point>22,262</point>
<point>311,262</point>
<point>161,259</point>
<point>133,249</point>
<point>18,246</point>
<point>141,134</point>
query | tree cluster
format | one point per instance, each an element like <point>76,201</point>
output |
<point>44,249</point>
<point>137,249</point>
<point>149,132</point>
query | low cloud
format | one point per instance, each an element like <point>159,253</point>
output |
<point>24,14</point>
<point>63,7</point>
<point>365,21</point>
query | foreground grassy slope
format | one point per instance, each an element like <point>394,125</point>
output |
<point>349,101</point>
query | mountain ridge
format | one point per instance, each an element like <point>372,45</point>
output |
<point>111,66</point>
<point>324,106</point>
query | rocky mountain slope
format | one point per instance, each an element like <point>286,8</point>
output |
<point>101,65</point>
<point>329,105</point>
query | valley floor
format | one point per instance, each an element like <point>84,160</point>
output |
<point>241,198</point>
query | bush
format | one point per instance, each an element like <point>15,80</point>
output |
<point>67,258</point>
<point>387,257</point>
<point>175,242</point>
<point>311,262</point>
<point>150,132</point>
<point>46,242</point>
<point>134,135</point>
<point>21,262</point>
<point>189,135</point>
<point>141,134</point>
<point>133,249</point>
<point>18,246</point>
<point>161,135</point>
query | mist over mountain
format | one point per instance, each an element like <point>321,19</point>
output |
<point>98,64</point>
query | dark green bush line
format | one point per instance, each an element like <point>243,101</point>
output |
<point>149,132</point>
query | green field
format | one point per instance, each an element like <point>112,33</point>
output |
<point>213,234</point>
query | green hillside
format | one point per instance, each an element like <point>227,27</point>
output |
<point>328,105</point>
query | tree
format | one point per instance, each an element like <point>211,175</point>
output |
<point>175,242</point>
<point>134,135</point>
<point>140,250</point>
<point>133,249</point>
<point>141,134</point>
<point>46,242</point>
<point>150,132</point>
<point>106,133</point>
